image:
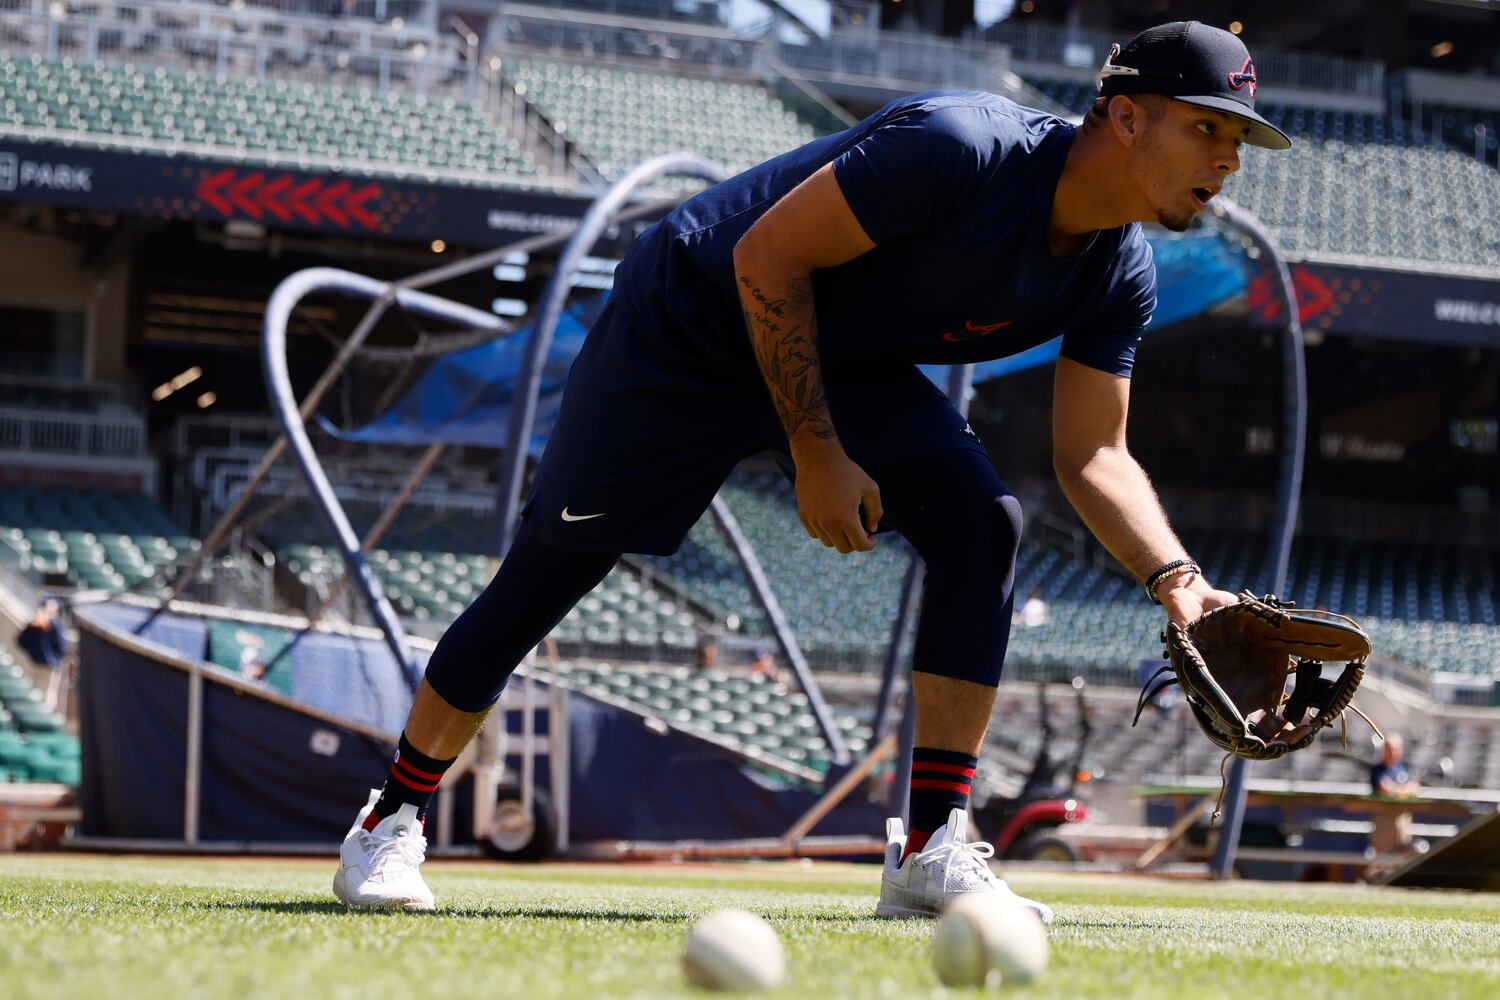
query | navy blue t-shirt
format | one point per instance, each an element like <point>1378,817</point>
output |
<point>1398,773</point>
<point>955,188</point>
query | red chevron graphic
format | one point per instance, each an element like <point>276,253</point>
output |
<point>239,193</point>
<point>355,203</point>
<point>1314,297</point>
<point>254,194</point>
<point>296,199</point>
<point>266,197</point>
<point>208,191</point>
<point>325,203</point>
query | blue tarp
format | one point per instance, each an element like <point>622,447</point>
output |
<point>464,398</point>
<point>274,773</point>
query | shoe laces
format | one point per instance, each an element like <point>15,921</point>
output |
<point>962,862</point>
<point>400,852</point>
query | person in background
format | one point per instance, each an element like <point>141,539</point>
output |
<point>708,653</point>
<point>765,664</point>
<point>1034,612</point>
<point>1392,778</point>
<point>251,664</point>
<point>45,643</point>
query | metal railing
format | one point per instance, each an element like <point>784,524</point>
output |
<point>359,20</point>
<point>367,58</point>
<point>68,394</point>
<point>899,60</point>
<point>506,104</point>
<point>673,46</point>
<point>60,432</point>
<point>383,11</point>
<point>1083,49</point>
<point>234,433</point>
<point>229,480</point>
<point>690,12</point>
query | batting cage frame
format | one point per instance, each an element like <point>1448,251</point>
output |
<point>1289,482</point>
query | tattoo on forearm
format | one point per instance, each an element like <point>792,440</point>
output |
<point>784,334</point>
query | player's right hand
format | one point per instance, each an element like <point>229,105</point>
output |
<point>832,494</point>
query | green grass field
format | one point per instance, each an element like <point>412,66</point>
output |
<point>88,926</point>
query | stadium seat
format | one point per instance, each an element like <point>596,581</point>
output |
<point>428,583</point>
<point>256,119</point>
<point>760,717</point>
<point>620,117</point>
<point>95,539</point>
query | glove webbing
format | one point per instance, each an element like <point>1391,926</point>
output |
<point>1148,692</point>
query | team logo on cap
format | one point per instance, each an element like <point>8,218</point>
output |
<point>1245,77</point>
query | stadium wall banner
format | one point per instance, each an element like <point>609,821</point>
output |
<point>161,186</point>
<point>1387,304</point>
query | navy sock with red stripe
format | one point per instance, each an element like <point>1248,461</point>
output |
<point>940,781</point>
<point>413,779</point>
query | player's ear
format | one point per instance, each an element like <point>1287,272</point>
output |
<point>1126,119</point>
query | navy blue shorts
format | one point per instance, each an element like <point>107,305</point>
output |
<point>647,434</point>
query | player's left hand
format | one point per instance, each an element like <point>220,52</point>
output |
<point>1186,604</point>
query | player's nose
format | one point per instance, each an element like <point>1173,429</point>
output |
<point>1228,159</point>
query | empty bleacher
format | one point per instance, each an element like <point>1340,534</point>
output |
<point>843,602</point>
<point>1431,606</point>
<point>756,715</point>
<point>251,120</point>
<point>428,585</point>
<point>622,116</point>
<point>359,43</point>
<point>1460,750</point>
<point>1434,606</point>
<point>90,539</point>
<point>1467,130</point>
<point>430,571</point>
<point>33,745</point>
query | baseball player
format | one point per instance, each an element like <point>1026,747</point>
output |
<point>785,309</point>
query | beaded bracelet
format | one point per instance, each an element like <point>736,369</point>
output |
<point>1170,569</point>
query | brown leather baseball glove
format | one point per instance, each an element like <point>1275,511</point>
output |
<point>1233,664</point>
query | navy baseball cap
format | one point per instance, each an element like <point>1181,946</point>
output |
<point>1191,62</point>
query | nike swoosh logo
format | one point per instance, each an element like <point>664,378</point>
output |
<point>578,517</point>
<point>982,329</point>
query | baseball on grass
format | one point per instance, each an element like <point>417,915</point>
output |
<point>734,950</point>
<point>982,940</point>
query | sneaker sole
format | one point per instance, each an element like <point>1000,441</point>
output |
<point>891,911</point>
<point>341,892</point>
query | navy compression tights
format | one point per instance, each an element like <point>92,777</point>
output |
<point>535,587</point>
<point>950,505</point>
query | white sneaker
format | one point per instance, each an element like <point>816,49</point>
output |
<point>378,868</point>
<point>948,866</point>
